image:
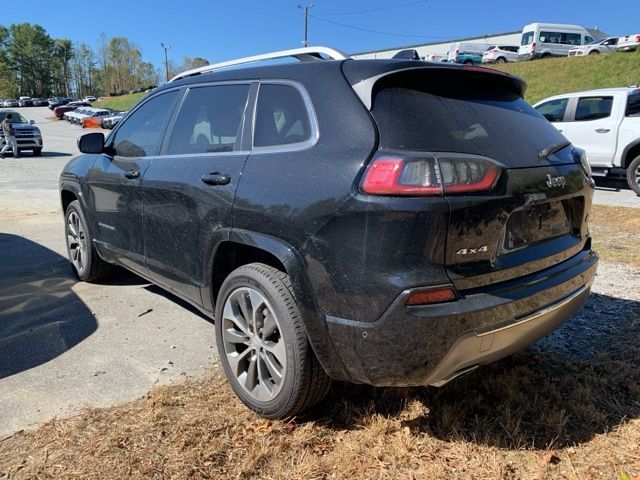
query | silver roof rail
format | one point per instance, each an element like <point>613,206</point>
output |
<point>305,54</point>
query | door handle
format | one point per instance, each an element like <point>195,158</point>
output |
<point>215,178</point>
<point>560,130</point>
<point>603,130</point>
<point>132,173</point>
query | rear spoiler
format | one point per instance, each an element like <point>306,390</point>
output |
<point>364,88</point>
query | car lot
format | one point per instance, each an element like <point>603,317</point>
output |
<point>66,345</point>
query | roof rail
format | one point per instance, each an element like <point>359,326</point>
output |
<point>305,54</point>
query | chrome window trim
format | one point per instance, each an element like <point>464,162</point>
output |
<point>314,134</point>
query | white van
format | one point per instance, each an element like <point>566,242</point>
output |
<point>467,52</point>
<point>540,40</point>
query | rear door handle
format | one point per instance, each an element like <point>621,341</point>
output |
<point>215,178</point>
<point>603,130</point>
<point>132,174</point>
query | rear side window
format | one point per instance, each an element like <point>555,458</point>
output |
<point>553,110</point>
<point>593,108</point>
<point>209,120</point>
<point>446,114</point>
<point>281,117</point>
<point>141,135</point>
<point>633,105</point>
<point>561,38</point>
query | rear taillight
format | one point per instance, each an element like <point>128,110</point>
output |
<point>638,38</point>
<point>429,174</point>
<point>533,47</point>
<point>425,297</point>
<point>456,53</point>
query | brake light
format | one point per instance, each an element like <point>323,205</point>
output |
<point>533,47</point>
<point>429,174</point>
<point>456,53</point>
<point>425,297</point>
<point>638,38</point>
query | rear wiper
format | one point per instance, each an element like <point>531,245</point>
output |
<point>551,149</point>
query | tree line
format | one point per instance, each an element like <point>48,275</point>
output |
<point>34,64</point>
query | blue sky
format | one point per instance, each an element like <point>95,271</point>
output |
<point>220,31</point>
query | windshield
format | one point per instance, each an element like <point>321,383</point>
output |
<point>15,117</point>
<point>527,38</point>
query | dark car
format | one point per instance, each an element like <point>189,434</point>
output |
<point>60,110</point>
<point>58,101</point>
<point>389,222</point>
<point>25,102</point>
<point>40,102</point>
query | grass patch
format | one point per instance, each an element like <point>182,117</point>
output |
<point>123,102</point>
<point>556,410</point>
<point>616,233</point>
<point>555,76</point>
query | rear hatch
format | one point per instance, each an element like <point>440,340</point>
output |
<point>516,206</point>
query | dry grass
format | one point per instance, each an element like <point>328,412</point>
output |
<point>550,412</point>
<point>616,233</point>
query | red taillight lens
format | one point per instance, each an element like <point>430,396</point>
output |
<point>429,174</point>
<point>533,47</point>
<point>638,38</point>
<point>457,52</point>
<point>425,297</point>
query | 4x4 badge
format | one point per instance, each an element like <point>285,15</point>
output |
<point>559,181</point>
<point>470,251</point>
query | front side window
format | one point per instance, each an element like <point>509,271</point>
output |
<point>141,134</point>
<point>209,120</point>
<point>527,38</point>
<point>553,110</point>
<point>593,108</point>
<point>281,116</point>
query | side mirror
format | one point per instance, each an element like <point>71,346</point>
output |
<point>32,122</point>
<point>91,143</point>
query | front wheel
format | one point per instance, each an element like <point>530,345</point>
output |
<point>501,60</point>
<point>594,52</point>
<point>633,175</point>
<point>37,152</point>
<point>262,344</point>
<point>82,253</point>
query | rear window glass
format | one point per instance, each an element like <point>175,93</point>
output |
<point>527,38</point>
<point>593,108</point>
<point>424,114</point>
<point>281,116</point>
<point>633,105</point>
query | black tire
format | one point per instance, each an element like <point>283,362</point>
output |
<point>594,52</point>
<point>545,55</point>
<point>37,152</point>
<point>93,267</point>
<point>304,383</point>
<point>501,60</point>
<point>633,175</point>
<point>468,62</point>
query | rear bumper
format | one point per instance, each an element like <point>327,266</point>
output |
<point>431,345</point>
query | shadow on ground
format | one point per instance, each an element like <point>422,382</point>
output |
<point>40,316</point>
<point>580,381</point>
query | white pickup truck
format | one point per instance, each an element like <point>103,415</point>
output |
<point>630,42</point>
<point>605,123</point>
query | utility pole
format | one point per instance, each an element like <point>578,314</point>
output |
<point>166,60</point>
<point>306,15</point>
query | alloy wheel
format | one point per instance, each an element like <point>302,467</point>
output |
<point>253,344</point>
<point>76,241</point>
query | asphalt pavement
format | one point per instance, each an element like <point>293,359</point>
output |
<point>67,345</point>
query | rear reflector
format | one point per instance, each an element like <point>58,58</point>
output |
<point>425,297</point>
<point>429,174</point>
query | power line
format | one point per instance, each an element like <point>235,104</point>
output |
<point>375,31</point>
<point>374,9</point>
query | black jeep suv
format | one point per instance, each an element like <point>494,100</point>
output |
<point>390,222</point>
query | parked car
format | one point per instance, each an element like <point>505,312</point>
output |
<point>467,52</point>
<point>40,102</point>
<point>500,54</point>
<point>28,135</point>
<point>542,40</point>
<point>10,102</point>
<point>605,123</point>
<point>25,102</point>
<point>628,43</point>
<point>92,117</point>
<point>59,101</point>
<point>76,115</point>
<point>89,98</point>
<point>435,57</point>
<point>448,229</point>
<point>59,111</point>
<point>111,121</point>
<point>606,45</point>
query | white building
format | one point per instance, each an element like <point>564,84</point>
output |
<point>441,48</point>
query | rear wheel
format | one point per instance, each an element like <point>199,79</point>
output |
<point>501,60</point>
<point>468,62</point>
<point>262,344</point>
<point>633,175</point>
<point>594,52</point>
<point>82,253</point>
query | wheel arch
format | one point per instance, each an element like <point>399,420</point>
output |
<point>630,152</point>
<point>244,247</point>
